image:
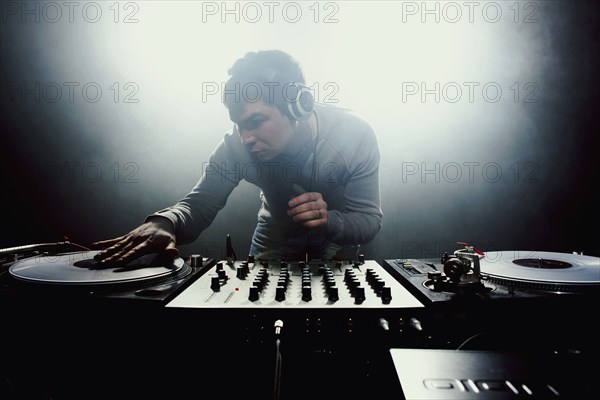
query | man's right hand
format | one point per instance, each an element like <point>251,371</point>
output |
<point>154,236</point>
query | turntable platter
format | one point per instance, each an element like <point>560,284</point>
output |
<point>562,271</point>
<point>80,269</point>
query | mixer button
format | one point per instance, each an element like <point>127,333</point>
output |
<point>333,293</point>
<point>306,293</point>
<point>222,274</point>
<point>253,295</point>
<point>215,283</point>
<point>240,273</point>
<point>280,293</point>
<point>386,294</point>
<point>359,294</point>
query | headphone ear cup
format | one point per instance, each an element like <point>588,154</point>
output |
<point>302,105</point>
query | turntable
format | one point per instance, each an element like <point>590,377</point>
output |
<point>506,299</point>
<point>153,279</point>
<point>473,274</point>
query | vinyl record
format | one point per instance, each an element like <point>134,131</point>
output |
<point>542,270</point>
<point>80,269</point>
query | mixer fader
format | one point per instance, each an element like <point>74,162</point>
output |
<point>296,284</point>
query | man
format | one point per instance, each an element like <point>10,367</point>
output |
<point>317,167</point>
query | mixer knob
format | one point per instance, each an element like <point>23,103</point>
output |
<point>353,282</point>
<point>240,273</point>
<point>246,267</point>
<point>215,283</point>
<point>333,293</point>
<point>219,266</point>
<point>253,296</point>
<point>359,294</point>
<point>196,260</point>
<point>264,278</point>
<point>251,259</point>
<point>306,294</point>
<point>361,258</point>
<point>377,284</point>
<point>280,293</point>
<point>386,294</point>
<point>372,278</point>
<point>222,274</point>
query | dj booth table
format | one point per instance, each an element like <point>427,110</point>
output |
<point>291,330</point>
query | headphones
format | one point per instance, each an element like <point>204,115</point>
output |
<point>299,100</point>
<point>302,103</point>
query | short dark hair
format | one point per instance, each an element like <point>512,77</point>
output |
<point>249,74</point>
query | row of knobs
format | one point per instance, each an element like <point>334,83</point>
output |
<point>357,291</point>
<point>373,279</point>
<point>353,283</point>
<point>378,285</point>
<point>216,282</point>
<point>283,281</point>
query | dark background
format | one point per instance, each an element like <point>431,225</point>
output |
<point>94,170</point>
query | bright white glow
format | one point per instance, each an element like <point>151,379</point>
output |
<point>431,77</point>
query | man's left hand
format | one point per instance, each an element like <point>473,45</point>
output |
<point>309,209</point>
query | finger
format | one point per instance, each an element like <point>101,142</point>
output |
<point>312,205</point>
<point>304,198</point>
<point>116,256</point>
<point>172,250</point>
<point>106,243</point>
<point>302,208</point>
<point>132,253</point>
<point>321,221</point>
<point>112,250</point>
<point>308,216</point>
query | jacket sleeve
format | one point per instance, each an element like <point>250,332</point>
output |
<point>361,219</point>
<point>197,210</point>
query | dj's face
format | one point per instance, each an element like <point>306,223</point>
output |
<point>264,130</point>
